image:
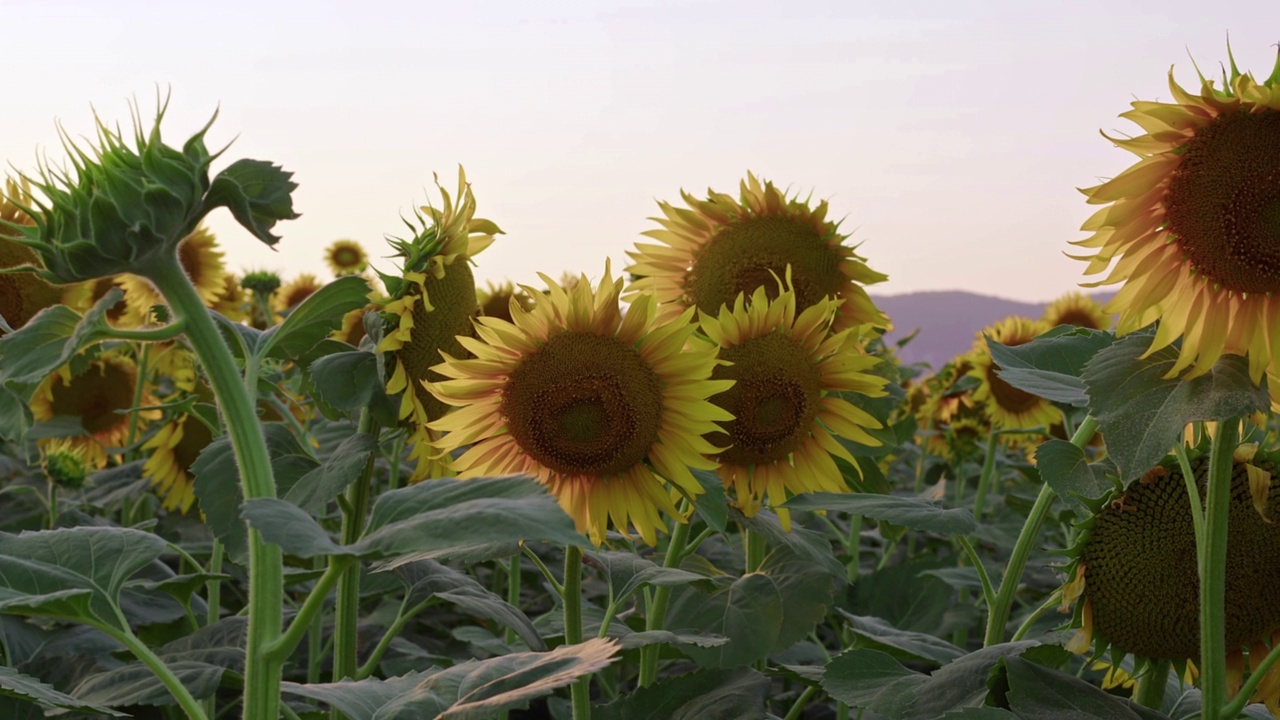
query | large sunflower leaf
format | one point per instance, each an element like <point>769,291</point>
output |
<point>730,694</point>
<point>627,573</point>
<point>876,634</point>
<point>806,588</point>
<point>348,382</point>
<point>1051,365</point>
<point>258,193</point>
<point>426,578</point>
<point>15,684</point>
<point>805,543</point>
<point>1142,414</point>
<point>1066,469</point>
<point>912,512</point>
<point>314,318</point>
<point>749,612</point>
<point>322,484</point>
<point>1036,691</point>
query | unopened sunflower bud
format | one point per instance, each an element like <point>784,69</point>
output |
<point>64,465</point>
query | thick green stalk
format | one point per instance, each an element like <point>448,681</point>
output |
<point>189,704</point>
<point>998,613</point>
<point>347,603</point>
<point>580,691</point>
<point>1213,571</point>
<point>1152,684</point>
<point>143,356</point>
<point>513,592</point>
<point>987,475</point>
<point>266,577</point>
<point>656,615</point>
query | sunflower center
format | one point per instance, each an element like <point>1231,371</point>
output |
<point>749,252</point>
<point>454,299</point>
<point>774,400</point>
<point>1140,567</point>
<point>584,404</point>
<point>1078,317</point>
<point>1008,397</point>
<point>22,295</point>
<point>1223,203</point>
<point>196,436</point>
<point>95,396</point>
<point>345,257</point>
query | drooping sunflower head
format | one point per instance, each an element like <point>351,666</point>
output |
<point>495,300</point>
<point>173,450</point>
<point>719,248</point>
<point>101,397</point>
<point>606,409</point>
<point>291,294</point>
<point>346,257</point>
<point>789,370</point>
<point>432,303</point>
<point>200,258</point>
<point>1076,308</point>
<point>1008,406</point>
<point>1192,227</point>
<point>1134,569</point>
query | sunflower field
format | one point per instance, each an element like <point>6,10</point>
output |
<point>699,486</point>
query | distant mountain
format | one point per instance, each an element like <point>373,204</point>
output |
<point>948,321</point>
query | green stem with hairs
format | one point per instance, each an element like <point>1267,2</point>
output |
<point>347,604</point>
<point>160,334</point>
<point>656,612</point>
<point>266,574</point>
<point>311,607</point>
<point>1213,570</point>
<point>998,613</point>
<point>580,691</point>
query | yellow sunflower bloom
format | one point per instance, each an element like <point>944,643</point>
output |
<point>433,303</point>
<point>100,397</point>
<point>719,248</point>
<point>291,294</point>
<point>1007,406</point>
<point>1133,573</point>
<point>174,449</point>
<point>788,368</point>
<point>346,257</point>
<point>22,295</point>
<point>85,295</point>
<point>200,258</point>
<point>232,302</point>
<point>1076,308</point>
<point>605,409</point>
<point>1191,227</point>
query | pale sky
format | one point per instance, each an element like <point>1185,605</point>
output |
<point>950,135</point>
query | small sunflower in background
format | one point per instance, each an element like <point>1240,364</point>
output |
<point>291,294</point>
<point>87,294</point>
<point>22,295</point>
<point>1076,308</point>
<point>346,257</point>
<point>720,247</point>
<point>101,397</point>
<point>788,370</point>
<point>1133,576</point>
<point>1192,226</point>
<point>232,302</point>
<point>172,451</point>
<point>1007,406</point>
<point>607,410</point>
<point>199,256</point>
<point>430,304</point>
<point>352,329</point>
<point>495,300</point>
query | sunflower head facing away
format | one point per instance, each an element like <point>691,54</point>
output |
<point>1192,229</point>
<point>606,409</point>
<point>719,248</point>
<point>431,303</point>
<point>1134,570</point>
<point>1007,406</point>
<point>1078,309</point>
<point>100,397</point>
<point>346,257</point>
<point>788,369</point>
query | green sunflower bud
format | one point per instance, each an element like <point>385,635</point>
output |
<point>127,205</point>
<point>261,282</point>
<point>64,465</point>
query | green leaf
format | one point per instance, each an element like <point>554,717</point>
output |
<point>1066,469</point>
<point>1142,415</point>
<point>15,416</point>
<point>963,682</point>
<point>712,505</point>
<point>913,512</point>
<point>297,533</point>
<point>802,541</point>
<point>314,491</point>
<point>359,700</point>
<point>1036,692</point>
<point>317,316</point>
<point>627,573</point>
<point>49,340</point>
<point>877,634</point>
<point>217,485</point>
<point>736,694</point>
<point>633,640</point>
<point>871,680</point>
<point>72,573</point>
<point>806,589</point>
<point>1051,365</point>
<point>749,612</point>
<point>15,684</point>
<point>257,193</point>
<point>427,578</point>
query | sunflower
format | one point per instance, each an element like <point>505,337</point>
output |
<point>1007,406</point>
<point>200,257</point>
<point>1195,221</point>
<point>1133,577</point>
<point>346,257</point>
<point>174,449</point>
<point>1076,308</point>
<point>719,248</point>
<point>85,295</point>
<point>605,409</point>
<point>495,300</point>
<point>352,329</point>
<point>291,294</point>
<point>788,370</point>
<point>232,301</point>
<point>101,397</point>
<point>22,295</point>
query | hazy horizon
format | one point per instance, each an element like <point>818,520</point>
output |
<point>950,137</point>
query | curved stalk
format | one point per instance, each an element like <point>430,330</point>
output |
<point>160,334</point>
<point>266,575</point>
<point>1213,570</point>
<point>188,703</point>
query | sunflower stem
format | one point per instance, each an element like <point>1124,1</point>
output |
<point>1193,493</point>
<point>160,334</point>
<point>188,703</point>
<point>656,613</point>
<point>1213,570</point>
<point>797,708</point>
<point>985,478</point>
<point>998,613</point>
<point>1257,674</point>
<point>1151,685</point>
<point>347,603</point>
<point>266,573</point>
<point>134,418</point>
<point>581,689</point>
<point>392,632</point>
<point>513,591</point>
<point>753,548</point>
